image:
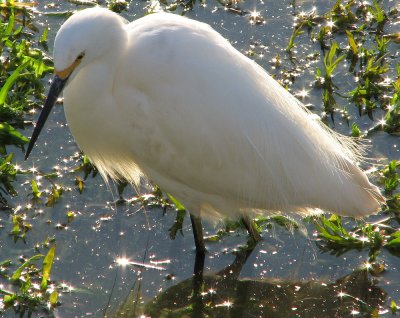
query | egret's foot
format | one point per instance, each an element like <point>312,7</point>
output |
<point>251,227</point>
<point>198,235</point>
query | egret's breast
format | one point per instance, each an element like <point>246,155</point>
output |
<point>90,110</point>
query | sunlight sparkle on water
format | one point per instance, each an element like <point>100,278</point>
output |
<point>330,24</point>
<point>302,94</point>
<point>390,107</point>
<point>226,303</point>
<point>367,265</point>
<point>166,261</point>
<point>387,81</point>
<point>106,218</point>
<point>212,291</point>
<point>301,14</point>
<point>341,294</point>
<point>254,14</point>
<point>256,18</point>
<point>368,16</point>
<point>122,261</point>
<point>382,122</point>
<point>66,287</point>
<point>33,169</point>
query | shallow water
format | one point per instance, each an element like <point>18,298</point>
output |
<point>103,231</point>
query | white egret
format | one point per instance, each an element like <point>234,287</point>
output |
<point>168,98</point>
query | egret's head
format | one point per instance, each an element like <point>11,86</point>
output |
<point>86,36</point>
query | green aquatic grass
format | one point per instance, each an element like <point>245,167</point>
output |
<point>324,78</point>
<point>30,291</point>
<point>24,64</point>
<point>391,123</point>
<point>366,55</point>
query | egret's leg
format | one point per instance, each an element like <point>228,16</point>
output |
<point>198,234</point>
<point>233,270</point>
<point>198,283</point>
<point>250,227</point>
<point>198,280</point>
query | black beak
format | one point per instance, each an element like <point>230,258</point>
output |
<point>55,90</point>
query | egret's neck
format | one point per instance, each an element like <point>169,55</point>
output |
<point>89,100</point>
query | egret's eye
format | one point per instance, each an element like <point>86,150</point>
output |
<point>80,56</point>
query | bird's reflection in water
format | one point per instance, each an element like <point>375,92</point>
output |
<point>225,294</point>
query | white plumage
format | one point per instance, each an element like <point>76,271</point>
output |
<point>170,99</point>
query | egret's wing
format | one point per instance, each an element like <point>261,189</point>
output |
<point>214,128</point>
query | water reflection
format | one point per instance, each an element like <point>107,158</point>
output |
<point>226,294</point>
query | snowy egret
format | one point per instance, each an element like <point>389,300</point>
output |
<point>168,98</point>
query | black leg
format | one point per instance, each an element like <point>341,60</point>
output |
<point>250,227</point>
<point>198,234</point>
<point>233,271</point>
<point>198,285</point>
<point>198,281</point>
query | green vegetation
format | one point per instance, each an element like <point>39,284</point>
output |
<point>31,289</point>
<point>24,64</point>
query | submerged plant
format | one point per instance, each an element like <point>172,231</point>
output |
<point>31,289</point>
<point>23,67</point>
<point>324,78</point>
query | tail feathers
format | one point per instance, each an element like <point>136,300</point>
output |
<point>365,198</point>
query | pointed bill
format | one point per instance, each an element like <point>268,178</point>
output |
<point>55,90</point>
